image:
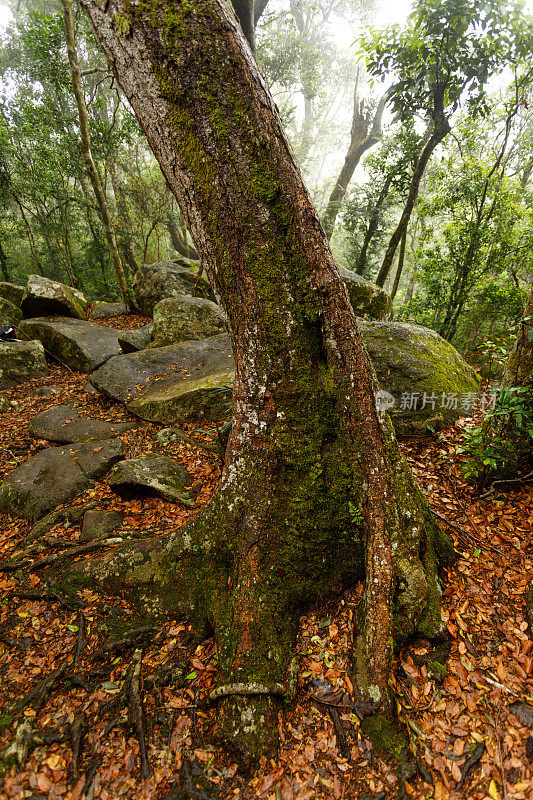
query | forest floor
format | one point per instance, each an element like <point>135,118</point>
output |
<point>470,723</point>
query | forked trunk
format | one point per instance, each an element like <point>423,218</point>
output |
<point>314,491</point>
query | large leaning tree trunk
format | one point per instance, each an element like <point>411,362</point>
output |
<point>314,493</point>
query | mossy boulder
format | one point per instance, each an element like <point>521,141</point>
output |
<point>9,313</point>
<point>108,310</point>
<point>63,424</point>
<point>81,345</point>
<point>188,399</point>
<point>133,341</point>
<point>100,525</point>
<point>155,282</point>
<point>20,362</point>
<point>178,319</point>
<point>429,383</point>
<point>130,376</point>
<point>44,297</point>
<point>151,475</point>
<point>368,300</point>
<point>55,476</point>
<point>12,292</point>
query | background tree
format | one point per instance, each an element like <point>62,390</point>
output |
<point>443,58</point>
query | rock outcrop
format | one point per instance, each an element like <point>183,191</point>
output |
<point>20,362</point>
<point>9,313</point>
<point>428,380</point>
<point>64,425</point>
<point>139,339</point>
<point>182,382</point>
<point>152,476</point>
<point>368,300</point>
<point>179,319</point>
<point>44,297</point>
<point>12,292</point>
<point>155,282</point>
<point>55,476</point>
<point>83,346</point>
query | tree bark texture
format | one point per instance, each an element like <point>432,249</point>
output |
<point>314,491</point>
<point>86,153</point>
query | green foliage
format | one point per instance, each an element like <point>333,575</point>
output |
<point>449,48</point>
<point>492,446</point>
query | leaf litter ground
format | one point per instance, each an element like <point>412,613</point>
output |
<point>469,723</point>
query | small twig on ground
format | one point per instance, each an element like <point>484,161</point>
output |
<point>471,762</point>
<point>466,534</point>
<point>339,731</point>
<point>523,479</point>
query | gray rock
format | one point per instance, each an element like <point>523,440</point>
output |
<point>44,297</point>
<point>55,476</point>
<point>139,339</point>
<point>108,310</point>
<point>166,375</point>
<point>152,476</point>
<point>155,282</point>
<point>367,299</point>
<point>12,292</point>
<point>9,313</point>
<point>179,319</point>
<point>20,362</point>
<point>81,345</point>
<point>100,525</point>
<point>63,425</point>
<point>411,361</point>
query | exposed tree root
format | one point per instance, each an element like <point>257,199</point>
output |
<point>59,515</point>
<point>135,709</point>
<point>77,731</point>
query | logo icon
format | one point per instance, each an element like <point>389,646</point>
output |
<point>384,401</point>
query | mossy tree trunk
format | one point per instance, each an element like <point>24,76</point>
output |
<point>314,491</point>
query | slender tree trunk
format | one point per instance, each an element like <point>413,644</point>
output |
<point>259,7</point>
<point>519,367</point>
<point>440,130</point>
<point>4,263</point>
<point>179,243</point>
<point>85,149</point>
<point>363,137</point>
<point>246,16</point>
<point>126,227</point>
<point>314,490</point>
<point>399,268</point>
<point>31,237</point>
<point>373,224</point>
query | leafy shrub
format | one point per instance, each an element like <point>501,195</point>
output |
<point>500,440</point>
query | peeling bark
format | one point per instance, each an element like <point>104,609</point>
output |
<point>314,491</point>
